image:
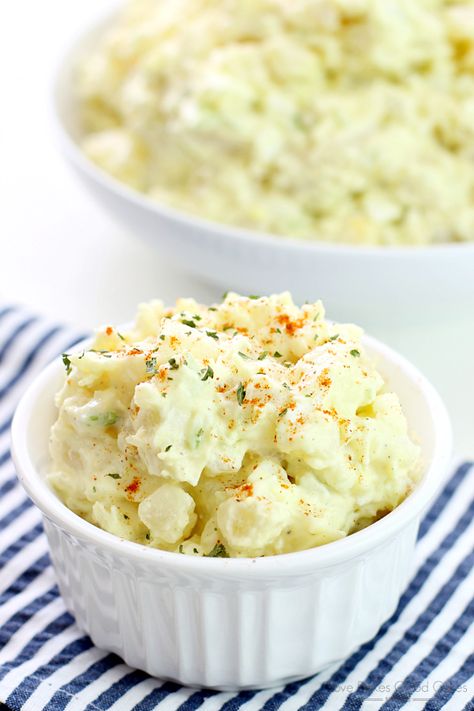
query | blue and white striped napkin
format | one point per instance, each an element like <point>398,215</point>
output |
<point>421,658</point>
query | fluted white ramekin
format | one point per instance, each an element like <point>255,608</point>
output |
<point>233,623</point>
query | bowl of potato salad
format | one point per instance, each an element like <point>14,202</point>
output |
<point>309,145</point>
<point>231,493</point>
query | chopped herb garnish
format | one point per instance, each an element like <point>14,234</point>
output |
<point>225,295</point>
<point>126,517</point>
<point>206,373</point>
<point>181,548</point>
<point>253,296</point>
<point>316,317</point>
<point>196,317</point>
<point>212,308</point>
<point>114,475</point>
<point>277,330</point>
<point>213,334</point>
<point>218,551</point>
<point>283,412</point>
<point>164,394</point>
<point>316,337</point>
<point>240,394</point>
<point>244,355</point>
<point>106,418</point>
<point>355,353</point>
<point>285,385</point>
<point>199,435</point>
<point>122,338</point>
<point>188,322</point>
<point>195,550</point>
<point>167,449</point>
<point>173,364</point>
<point>262,355</point>
<point>333,338</point>
<point>67,363</point>
<point>162,337</point>
<point>150,365</point>
<point>277,355</point>
<point>287,363</point>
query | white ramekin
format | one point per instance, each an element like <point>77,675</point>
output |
<point>411,284</point>
<point>233,623</point>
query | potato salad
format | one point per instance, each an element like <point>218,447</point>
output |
<point>252,427</point>
<point>340,120</point>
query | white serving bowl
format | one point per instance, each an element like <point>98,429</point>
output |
<point>233,623</point>
<point>367,284</point>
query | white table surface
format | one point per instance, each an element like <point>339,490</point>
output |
<point>60,254</point>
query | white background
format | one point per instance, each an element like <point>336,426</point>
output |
<point>60,254</point>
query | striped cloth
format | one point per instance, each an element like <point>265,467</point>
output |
<point>421,658</point>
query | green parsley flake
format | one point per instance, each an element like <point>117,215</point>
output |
<point>244,355</point>
<point>218,551</point>
<point>253,296</point>
<point>263,355</point>
<point>355,353</point>
<point>102,352</point>
<point>240,394</point>
<point>167,449</point>
<point>199,435</point>
<point>213,334</point>
<point>277,355</point>
<point>333,338</point>
<point>188,322</point>
<point>206,373</point>
<point>122,338</point>
<point>114,475</point>
<point>67,363</point>
<point>150,365</point>
<point>173,364</point>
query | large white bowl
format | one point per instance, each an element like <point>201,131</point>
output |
<point>233,623</point>
<point>369,285</point>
